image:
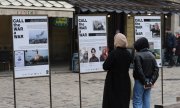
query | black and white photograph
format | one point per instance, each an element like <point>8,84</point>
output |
<point>98,25</point>
<point>36,57</point>
<point>83,55</point>
<point>38,37</point>
<point>93,56</point>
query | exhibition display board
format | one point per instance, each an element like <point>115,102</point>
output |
<point>30,49</point>
<point>92,35</point>
<point>30,44</point>
<point>150,27</point>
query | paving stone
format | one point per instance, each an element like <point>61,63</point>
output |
<point>35,92</point>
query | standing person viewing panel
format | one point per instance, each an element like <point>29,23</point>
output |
<point>170,44</point>
<point>178,50</point>
<point>145,73</point>
<point>117,82</point>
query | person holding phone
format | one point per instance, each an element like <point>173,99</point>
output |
<point>145,73</point>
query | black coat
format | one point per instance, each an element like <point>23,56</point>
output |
<point>178,46</point>
<point>117,84</point>
<point>170,41</point>
<point>145,67</point>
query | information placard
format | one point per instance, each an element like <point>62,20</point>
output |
<point>30,44</point>
<point>92,33</point>
<point>150,27</point>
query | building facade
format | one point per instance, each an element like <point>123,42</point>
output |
<point>63,39</point>
<point>60,17</point>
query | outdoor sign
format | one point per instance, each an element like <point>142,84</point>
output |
<point>150,27</point>
<point>92,33</point>
<point>61,22</point>
<point>30,44</point>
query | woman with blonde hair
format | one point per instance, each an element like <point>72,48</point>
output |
<point>117,83</point>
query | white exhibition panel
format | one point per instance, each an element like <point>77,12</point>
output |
<point>150,27</point>
<point>30,44</point>
<point>92,33</point>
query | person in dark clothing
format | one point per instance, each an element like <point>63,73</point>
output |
<point>178,50</point>
<point>145,73</point>
<point>170,44</point>
<point>117,83</point>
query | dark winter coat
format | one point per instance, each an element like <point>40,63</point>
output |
<point>117,84</point>
<point>170,41</point>
<point>145,67</point>
<point>178,46</point>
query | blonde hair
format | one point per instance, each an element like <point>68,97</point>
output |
<point>120,40</point>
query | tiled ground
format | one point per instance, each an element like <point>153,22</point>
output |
<point>34,92</point>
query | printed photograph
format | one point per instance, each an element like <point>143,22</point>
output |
<point>19,58</point>
<point>104,53</point>
<point>155,29</point>
<point>98,25</point>
<point>83,55</point>
<point>38,37</point>
<point>93,55</point>
<point>36,57</point>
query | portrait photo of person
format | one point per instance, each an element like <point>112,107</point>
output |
<point>104,54</point>
<point>93,58</point>
<point>84,58</point>
<point>155,29</point>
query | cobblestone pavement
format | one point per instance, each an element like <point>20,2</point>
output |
<point>34,92</point>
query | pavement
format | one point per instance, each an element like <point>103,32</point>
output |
<point>35,92</point>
